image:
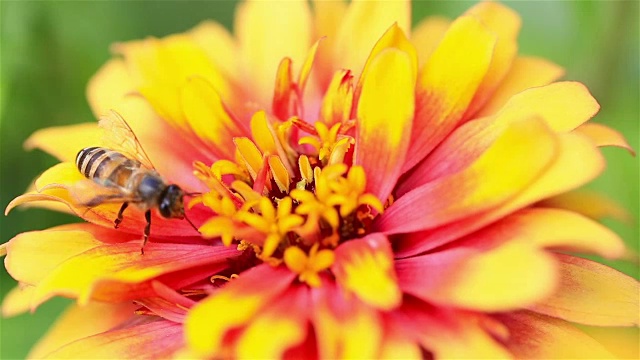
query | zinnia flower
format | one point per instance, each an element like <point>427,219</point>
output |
<point>364,191</point>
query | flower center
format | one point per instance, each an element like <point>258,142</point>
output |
<point>289,196</point>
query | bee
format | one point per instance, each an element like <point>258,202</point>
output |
<point>130,179</point>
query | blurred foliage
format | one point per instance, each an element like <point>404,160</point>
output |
<point>50,49</point>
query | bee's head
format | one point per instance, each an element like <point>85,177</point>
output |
<point>171,204</point>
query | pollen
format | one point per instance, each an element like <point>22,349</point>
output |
<point>288,197</point>
<point>308,265</point>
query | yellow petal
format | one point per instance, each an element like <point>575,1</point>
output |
<point>267,32</point>
<point>593,294</point>
<point>207,116</point>
<point>281,326</point>
<point>72,325</point>
<point>393,38</point>
<point>220,46</point>
<point>526,148</point>
<point>566,105</point>
<point>447,83</point>
<point>385,113</point>
<point>535,336</point>
<point>355,333</point>
<point>327,19</point>
<point>64,142</point>
<point>365,267</point>
<point>108,86</point>
<point>17,300</point>
<point>363,24</point>
<point>505,23</point>
<point>236,304</point>
<point>427,35</point>
<point>622,342</point>
<point>525,73</point>
<point>603,135</point>
<point>250,154</point>
<point>32,256</point>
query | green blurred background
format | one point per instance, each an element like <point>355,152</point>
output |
<point>49,50</point>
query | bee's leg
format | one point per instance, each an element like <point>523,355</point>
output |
<point>147,230</point>
<point>118,220</point>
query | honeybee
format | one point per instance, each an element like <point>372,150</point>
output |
<point>130,178</point>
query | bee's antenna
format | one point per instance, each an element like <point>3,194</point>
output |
<point>193,194</point>
<point>190,223</point>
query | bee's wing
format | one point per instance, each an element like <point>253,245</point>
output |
<point>118,136</point>
<point>88,193</point>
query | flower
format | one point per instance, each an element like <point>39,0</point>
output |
<point>390,194</point>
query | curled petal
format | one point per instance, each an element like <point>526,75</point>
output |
<point>603,135</point>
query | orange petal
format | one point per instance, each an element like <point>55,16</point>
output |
<point>535,336</point>
<point>427,35</point>
<point>508,277</point>
<point>603,135</point>
<point>593,294</point>
<point>505,23</point>
<point>448,82</point>
<point>449,333</point>
<point>278,327</point>
<point>525,73</point>
<point>365,267</point>
<point>207,116</point>
<point>239,301</point>
<point>363,24</point>
<point>576,163</point>
<point>385,112</point>
<point>267,32</point>
<point>119,271</point>
<point>345,328</point>
<point>64,142</point>
<point>17,300</point>
<point>526,149</point>
<point>72,325</point>
<point>109,86</point>
<point>55,184</point>
<point>284,95</point>
<point>155,340</point>
<point>338,100</point>
<point>588,203</point>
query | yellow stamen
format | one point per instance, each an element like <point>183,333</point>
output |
<point>308,266</point>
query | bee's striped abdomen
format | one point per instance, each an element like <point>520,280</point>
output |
<point>104,166</point>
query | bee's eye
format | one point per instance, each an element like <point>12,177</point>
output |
<point>165,208</point>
